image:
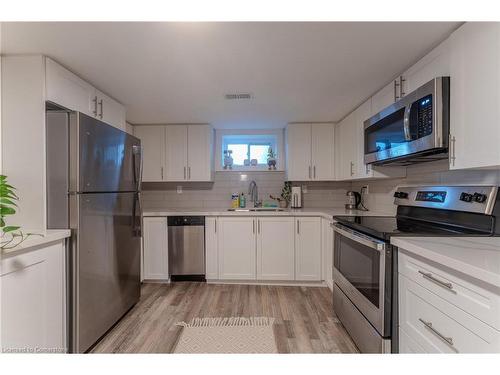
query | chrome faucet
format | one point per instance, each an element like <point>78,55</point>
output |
<point>253,191</point>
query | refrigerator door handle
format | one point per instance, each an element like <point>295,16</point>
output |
<point>137,153</point>
<point>137,216</point>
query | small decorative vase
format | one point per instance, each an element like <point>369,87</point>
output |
<point>254,162</point>
<point>246,162</point>
<point>271,163</point>
<point>283,204</point>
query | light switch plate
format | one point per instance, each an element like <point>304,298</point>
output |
<point>304,189</point>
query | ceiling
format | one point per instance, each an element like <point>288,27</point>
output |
<point>180,72</point>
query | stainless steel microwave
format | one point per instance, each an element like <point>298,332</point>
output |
<point>412,130</point>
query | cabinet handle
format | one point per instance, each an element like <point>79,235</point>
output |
<point>396,97</point>
<point>95,106</point>
<point>215,226</point>
<point>185,173</point>
<point>352,168</point>
<point>367,168</point>
<point>161,173</point>
<point>453,157</point>
<point>253,226</point>
<point>314,171</point>
<point>102,110</point>
<point>309,172</point>
<point>189,173</point>
<point>449,340</point>
<point>258,226</point>
<point>402,80</point>
<point>430,277</point>
<point>298,226</point>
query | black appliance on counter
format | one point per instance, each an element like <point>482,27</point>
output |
<point>365,263</point>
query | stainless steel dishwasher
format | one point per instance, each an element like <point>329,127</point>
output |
<point>186,248</point>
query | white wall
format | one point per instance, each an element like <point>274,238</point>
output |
<point>380,197</point>
<point>23,136</point>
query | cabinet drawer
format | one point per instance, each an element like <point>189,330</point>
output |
<point>440,327</point>
<point>407,344</point>
<point>479,302</point>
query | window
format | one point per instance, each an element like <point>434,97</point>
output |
<point>248,150</point>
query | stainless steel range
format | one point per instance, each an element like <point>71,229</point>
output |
<point>365,263</point>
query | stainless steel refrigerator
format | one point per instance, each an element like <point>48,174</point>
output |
<point>93,187</point>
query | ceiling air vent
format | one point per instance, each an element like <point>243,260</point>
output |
<point>240,96</point>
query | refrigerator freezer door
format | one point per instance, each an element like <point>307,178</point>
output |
<point>108,157</point>
<point>107,263</point>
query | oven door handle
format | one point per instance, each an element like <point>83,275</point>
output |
<point>359,237</point>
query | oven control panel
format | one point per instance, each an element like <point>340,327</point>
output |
<point>480,199</point>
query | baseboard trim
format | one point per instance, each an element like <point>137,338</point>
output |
<point>270,283</point>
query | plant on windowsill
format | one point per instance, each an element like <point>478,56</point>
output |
<point>10,235</point>
<point>271,159</point>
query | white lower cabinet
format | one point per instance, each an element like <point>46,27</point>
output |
<point>327,236</point>
<point>33,308</point>
<point>439,312</point>
<point>155,248</point>
<point>211,246</point>
<point>275,248</point>
<point>237,240</point>
<point>308,249</point>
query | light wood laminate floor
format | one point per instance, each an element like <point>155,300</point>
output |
<point>305,322</point>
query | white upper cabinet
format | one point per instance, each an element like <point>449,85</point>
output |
<point>176,153</point>
<point>298,152</point>
<point>475,96</point>
<point>110,111</point>
<point>310,152</point>
<point>346,147</point>
<point>66,89</point>
<point>385,97</point>
<point>275,248</point>
<point>435,64</point>
<point>200,153</point>
<point>322,152</point>
<point>153,144</point>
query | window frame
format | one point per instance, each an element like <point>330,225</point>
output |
<point>219,151</point>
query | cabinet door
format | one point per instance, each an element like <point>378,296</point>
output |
<point>327,250</point>
<point>362,113</point>
<point>211,244</point>
<point>110,111</point>
<point>298,152</point>
<point>200,153</point>
<point>33,307</point>
<point>346,148</point>
<point>176,152</point>
<point>383,98</point>
<point>153,143</point>
<point>475,96</point>
<point>275,248</point>
<point>68,90</point>
<point>237,240</point>
<point>155,248</point>
<point>308,249</point>
<point>322,151</point>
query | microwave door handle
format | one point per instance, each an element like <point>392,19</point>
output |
<point>406,122</point>
<point>364,240</point>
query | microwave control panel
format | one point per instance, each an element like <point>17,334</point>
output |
<point>424,106</point>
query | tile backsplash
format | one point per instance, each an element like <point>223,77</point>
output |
<point>218,194</point>
<point>380,197</point>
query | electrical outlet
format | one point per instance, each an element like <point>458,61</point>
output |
<point>304,189</point>
<point>179,189</point>
<point>365,189</point>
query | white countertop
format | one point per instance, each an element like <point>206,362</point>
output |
<point>50,235</point>
<point>478,257</point>
<point>326,213</point>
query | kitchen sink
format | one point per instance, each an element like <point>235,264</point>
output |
<point>257,209</point>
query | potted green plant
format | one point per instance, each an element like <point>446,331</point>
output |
<point>11,235</point>
<point>286,194</point>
